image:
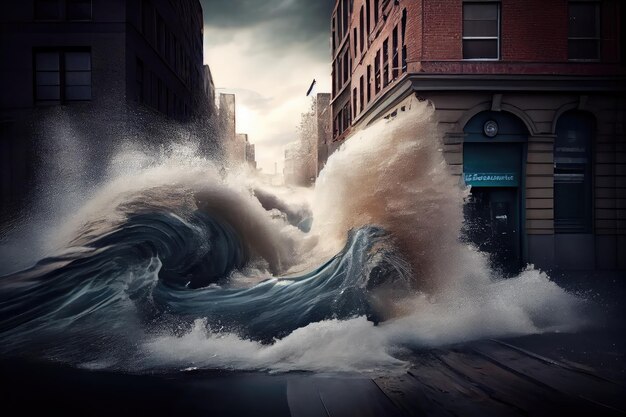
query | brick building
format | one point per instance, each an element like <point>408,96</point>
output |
<point>101,72</point>
<point>529,100</point>
<point>341,70</point>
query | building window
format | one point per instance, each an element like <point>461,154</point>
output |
<point>396,54</point>
<point>162,99</point>
<point>48,77</point>
<point>62,76</point>
<point>377,72</point>
<point>572,173</point>
<point>386,62</point>
<point>62,9</point>
<point>369,83</point>
<point>404,67</point>
<point>355,42</point>
<point>481,30</point>
<point>139,80</point>
<point>344,19</point>
<point>361,100</point>
<point>78,10</point>
<point>362,29</point>
<point>339,73</point>
<point>376,4</point>
<point>147,21</point>
<point>346,66</point>
<point>48,9</point>
<point>354,101</point>
<point>584,31</point>
<point>334,34</point>
<point>77,76</point>
<point>160,32</point>
<point>154,98</point>
<point>368,16</point>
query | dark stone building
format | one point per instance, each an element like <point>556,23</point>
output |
<point>529,98</point>
<point>96,74</point>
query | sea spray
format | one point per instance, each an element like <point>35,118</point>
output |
<point>381,270</point>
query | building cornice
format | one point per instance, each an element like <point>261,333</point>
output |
<point>416,83</point>
<point>522,82</point>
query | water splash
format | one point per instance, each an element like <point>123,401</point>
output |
<point>170,264</point>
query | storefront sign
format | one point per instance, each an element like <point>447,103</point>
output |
<point>491,179</point>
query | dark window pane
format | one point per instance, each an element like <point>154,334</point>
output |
<point>78,78</point>
<point>583,20</point>
<point>78,10</point>
<point>480,49</point>
<point>48,78</point>
<point>139,70</point>
<point>572,173</point>
<point>570,212</point>
<point>48,92</point>
<point>78,61</point>
<point>48,9</point>
<point>583,49</point>
<point>78,93</point>
<point>47,61</point>
<point>480,11</point>
<point>481,28</point>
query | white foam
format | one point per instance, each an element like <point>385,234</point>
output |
<point>528,304</point>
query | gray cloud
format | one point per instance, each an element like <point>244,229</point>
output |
<point>278,24</point>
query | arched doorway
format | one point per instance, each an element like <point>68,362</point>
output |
<point>493,165</point>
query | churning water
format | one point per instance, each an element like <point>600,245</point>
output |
<point>173,265</point>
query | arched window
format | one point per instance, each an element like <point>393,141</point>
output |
<point>572,173</point>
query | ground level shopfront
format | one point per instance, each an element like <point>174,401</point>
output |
<point>547,176</point>
<point>545,159</point>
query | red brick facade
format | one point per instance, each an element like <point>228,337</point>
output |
<point>516,62</point>
<point>533,40</point>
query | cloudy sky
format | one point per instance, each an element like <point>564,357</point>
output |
<point>267,52</point>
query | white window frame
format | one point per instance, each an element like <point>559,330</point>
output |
<point>464,38</point>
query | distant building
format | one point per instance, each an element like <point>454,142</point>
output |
<point>239,150</point>
<point>234,144</point>
<point>107,71</point>
<point>239,154</point>
<point>250,155</point>
<point>209,89</point>
<point>323,119</point>
<point>305,158</point>
<point>227,117</point>
<point>529,96</point>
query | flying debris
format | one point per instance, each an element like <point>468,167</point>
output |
<point>311,88</point>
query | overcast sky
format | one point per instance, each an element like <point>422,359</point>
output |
<point>267,52</point>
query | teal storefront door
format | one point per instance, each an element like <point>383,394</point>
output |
<point>492,212</point>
